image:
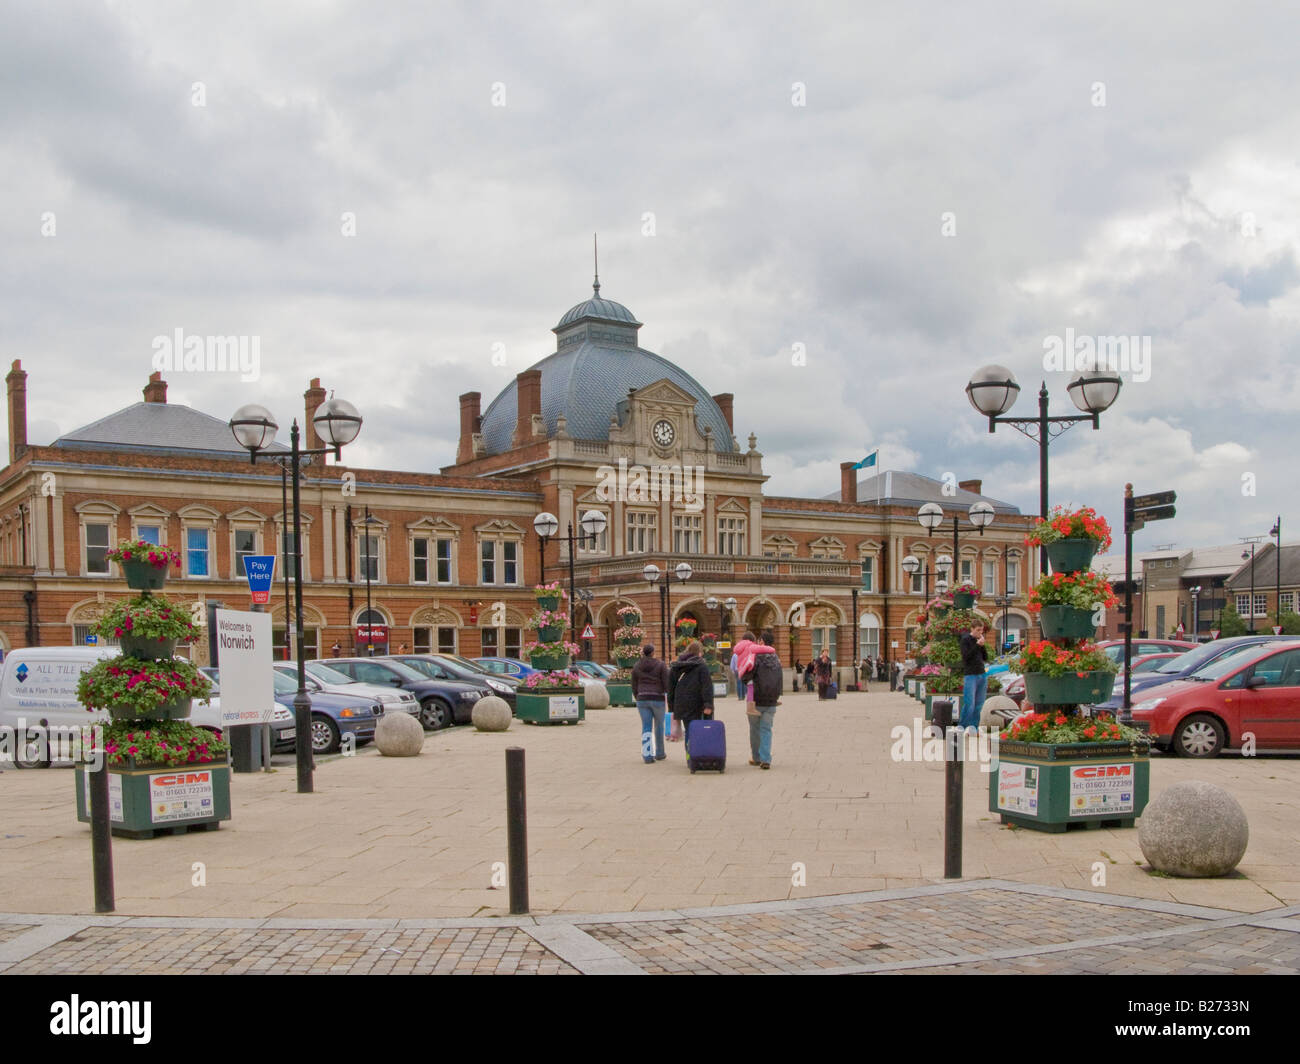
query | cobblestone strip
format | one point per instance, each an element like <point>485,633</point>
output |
<point>574,946</point>
<point>33,940</point>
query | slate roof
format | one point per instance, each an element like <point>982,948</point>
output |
<point>908,489</point>
<point>160,427</point>
<point>1266,568</point>
<point>597,309</point>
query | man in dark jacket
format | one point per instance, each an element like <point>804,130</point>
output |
<point>976,683</point>
<point>650,689</point>
<point>690,687</point>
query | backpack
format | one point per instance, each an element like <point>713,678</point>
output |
<point>768,679</point>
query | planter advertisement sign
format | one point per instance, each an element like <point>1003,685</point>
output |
<point>244,657</point>
<point>1018,788</point>
<point>1102,790</point>
<point>181,794</point>
<point>564,707</point>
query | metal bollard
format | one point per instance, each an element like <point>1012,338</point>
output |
<point>517,830</point>
<point>101,839</point>
<point>954,771</point>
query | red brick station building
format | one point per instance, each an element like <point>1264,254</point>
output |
<point>600,424</point>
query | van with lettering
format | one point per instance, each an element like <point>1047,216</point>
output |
<point>38,688</point>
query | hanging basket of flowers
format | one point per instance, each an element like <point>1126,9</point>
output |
<point>1062,675</point>
<point>629,616</point>
<point>1068,603</point>
<point>964,595</point>
<point>148,627</point>
<point>132,689</point>
<point>144,565</point>
<point>1072,538</point>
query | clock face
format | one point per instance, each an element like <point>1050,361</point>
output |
<point>663,432</point>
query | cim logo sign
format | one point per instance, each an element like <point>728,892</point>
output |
<point>1098,772</point>
<point>180,778</point>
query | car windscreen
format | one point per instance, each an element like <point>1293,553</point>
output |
<point>283,684</point>
<point>1192,658</point>
<point>405,671</point>
<point>428,669</point>
<point>327,675</point>
<point>471,664</point>
<point>1226,664</point>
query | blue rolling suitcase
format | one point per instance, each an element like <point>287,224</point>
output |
<point>706,745</point>
<point>832,691</point>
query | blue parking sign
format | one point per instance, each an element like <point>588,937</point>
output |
<point>260,570</point>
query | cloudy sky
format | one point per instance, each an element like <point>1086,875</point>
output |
<point>901,192</point>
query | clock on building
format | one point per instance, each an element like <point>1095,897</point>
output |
<point>663,432</point>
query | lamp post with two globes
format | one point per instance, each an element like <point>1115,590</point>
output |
<point>651,573</point>
<point>337,422</point>
<point>546,524</point>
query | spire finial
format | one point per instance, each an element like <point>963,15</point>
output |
<point>595,257</point>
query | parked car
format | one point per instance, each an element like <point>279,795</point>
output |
<point>1114,648</point>
<point>600,672</point>
<point>1254,690</point>
<point>1186,664</point>
<point>332,716</point>
<point>320,677</point>
<point>1150,662</point>
<point>507,667</point>
<point>442,702</point>
<point>283,731</point>
<point>439,667</point>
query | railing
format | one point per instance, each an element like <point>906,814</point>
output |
<point>762,568</point>
<point>820,569</point>
<point>599,448</point>
<point>715,565</point>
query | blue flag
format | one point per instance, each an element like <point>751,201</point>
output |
<point>870,460</point>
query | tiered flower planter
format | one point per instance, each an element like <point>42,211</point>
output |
<point>149,799</point>
<point>1053,787</point>
<point>620,694</point>
<point>554,706</point>
<point>561,704</point>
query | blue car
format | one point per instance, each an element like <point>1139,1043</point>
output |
<point>507,667</point>
<point>332,716</point>
<point>1183,666</point>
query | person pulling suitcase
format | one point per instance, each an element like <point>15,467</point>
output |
<point>690,700</point>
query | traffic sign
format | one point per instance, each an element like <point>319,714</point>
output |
<point>260,570</point>
<point>1277,629</point>
<point>587,633</point>
<point>1156,498</point>
<point>92,640</point>
<point>1214,633</point>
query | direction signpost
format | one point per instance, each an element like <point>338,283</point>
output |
<point>1138,510</point>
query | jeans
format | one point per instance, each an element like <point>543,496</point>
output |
<point>740,688</point>
<point>760,734</point>
<point>974,688</point>
<point>652,727</point>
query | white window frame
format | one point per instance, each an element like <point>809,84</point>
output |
<point>107,524</point>
<point>376,532</point>
<point>688,533</point>
<point>1286,602</point>
<point>1261,604</point>
<point>601,544</point>
<point>732,535</point>
<point>1243,605</point>
<point>496,546</point>
<point>641,531</point>
<point>868,582</point>
<point>990,585</point>
<point>1013,577</point>
<point>185,551</point>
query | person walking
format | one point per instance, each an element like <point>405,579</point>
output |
<point>798,673</point>
<point>735,670</point>
<point>975,681</point>
<point>650,689</point>
<point>766,679</point>
<point>867,670</point>
<point>690,687</point>
<point>823,674</point>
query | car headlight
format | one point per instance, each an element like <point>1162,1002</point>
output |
<point>469,696</point>
<point>1149,704</point>
<point>356,711</point>
<point>497,685</point>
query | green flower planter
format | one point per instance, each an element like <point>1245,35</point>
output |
<point>1068,690</point>
<point>963,600</point>
<point>144,576</point>
<point>1066,622</point>
<point>625,661</point>
<point>1053,787</point>
<point>548,602</point>
<point>939,611</point>
<point>551,633</point>
<point>177,709</point>
<point>1071,555</point>
<point>560,706</point>
<point>620,694</point>
<point>549,660</point>
<point>134,646</point>
<point>630,620</point>
<point>151,800</point>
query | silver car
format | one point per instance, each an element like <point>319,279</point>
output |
<point>321,677</point>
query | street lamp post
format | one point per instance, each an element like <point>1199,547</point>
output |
<point>1276,530</point>
<point>545,524</point>
<point>1251,555</point>
<point>1195,592</point>
<point>993,389</point>
<point>370,635</point>
<point>337,422</point>
<point>912,565</point>
<point>651,574</point>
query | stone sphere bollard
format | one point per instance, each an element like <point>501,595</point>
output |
<point>1194,829</point>
<point>998,711</point>
<point>399,734</point>
<point>491,714</point>
<point>595,696</point>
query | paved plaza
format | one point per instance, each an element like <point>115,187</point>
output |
<point>830,862</point>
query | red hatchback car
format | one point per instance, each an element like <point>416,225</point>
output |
<point>1253,692</point>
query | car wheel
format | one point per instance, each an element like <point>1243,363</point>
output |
<point>324,735</point>
<point>1200,735</point>
<point>21,760</point>
<point>435,715</point>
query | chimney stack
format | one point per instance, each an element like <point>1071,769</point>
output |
<point>470,423</point>
<point>724,404</point>
<point>528,400</point>
<point>848,482</point>
<point>972,486</point>
<point>313,397</point>
<point>17,381</point>
<point>156,390</point>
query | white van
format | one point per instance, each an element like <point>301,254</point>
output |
<point>38,687</point>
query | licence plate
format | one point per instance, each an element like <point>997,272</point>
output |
<point>289,733</point>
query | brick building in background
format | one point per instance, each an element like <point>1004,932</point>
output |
<point>601,424</point>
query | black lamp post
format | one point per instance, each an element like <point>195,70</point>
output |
<point>651,573</point>
<point>993,389</point>
<point>912,566</point>
<point>546,525</point>
<point>1251,555</point>
<point>1276,530</point>
<point>1195,592</point>
<point>370,635</point>
<point>336,421</point>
